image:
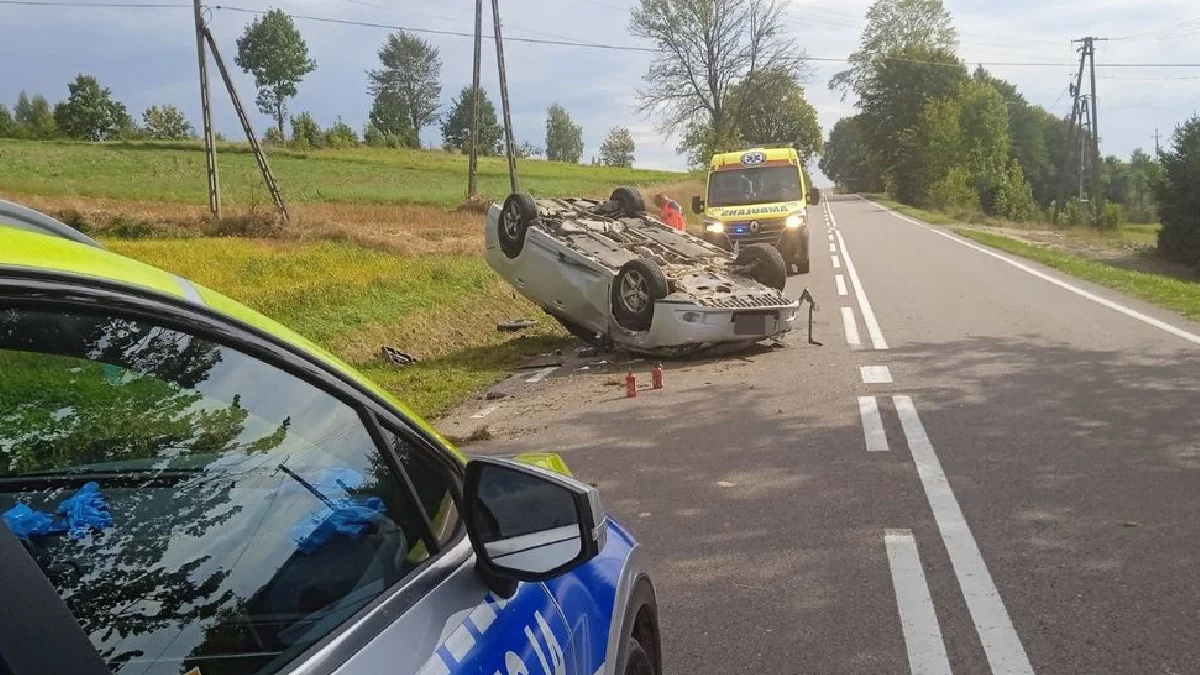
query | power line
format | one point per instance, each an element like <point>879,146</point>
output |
<point>105,5</point>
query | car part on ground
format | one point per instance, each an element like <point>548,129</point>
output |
<point>632,281</point>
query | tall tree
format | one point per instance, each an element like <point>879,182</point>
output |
<point>769,107</point>
<point>456,127</point>
<point>90,113</point>
<point>272,50</point>
<point>618,148</point>
<point>408,80</point>
<point>167,123</point>
<point>33,118</point>
<point>705,47</point>
<point>8,127</point>
<point>1178,198</point>
<point>564,138</point>
<point>896,26</point>
<point>846,160</point>
<point>390,116</point>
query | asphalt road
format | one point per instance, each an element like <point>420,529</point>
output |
<point>1022,497</point>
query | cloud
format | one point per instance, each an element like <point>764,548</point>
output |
<point>148,57</point>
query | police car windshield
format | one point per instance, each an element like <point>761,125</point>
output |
<point>761,185</point>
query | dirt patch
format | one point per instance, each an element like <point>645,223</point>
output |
<point>1099,247</point>
<point>407,230</point>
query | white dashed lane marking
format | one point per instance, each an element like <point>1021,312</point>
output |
<point>540,375</point>
<point>841,284</point>
<point>875,374</point>
<point>918,620</point>
<point>486,411</point>
<point>872,424</point>
<point>850,326</point>
<point>837,264</point>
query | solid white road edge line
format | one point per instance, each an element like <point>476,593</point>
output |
<point>872,423</point>
<point>875,374</point>
<point>864,305</point>
<point>850,326</point>
<point>1003,648</point>
<point>841,284</point>
<point>1131,313</point>
<point>837,264</point>
<point>540,375</point>
<point>918,620</point>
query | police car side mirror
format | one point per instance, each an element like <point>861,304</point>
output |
<point>814,195</point>
<point>527,523</point>
<point>697,204</point>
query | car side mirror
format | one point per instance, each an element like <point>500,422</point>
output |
<point>527,523</point>
<point>697,204</point>
<point>814,195</point>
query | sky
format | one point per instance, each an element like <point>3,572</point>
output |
<point>148,57</point>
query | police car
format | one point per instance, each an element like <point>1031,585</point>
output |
<point>188,487</point>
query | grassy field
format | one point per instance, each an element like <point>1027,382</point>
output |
<point>354,301</point>
<point>175,173</point>
<point>1172,293</point>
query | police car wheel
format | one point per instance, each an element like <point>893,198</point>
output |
<point>638,661</point>
<point>519,212</point>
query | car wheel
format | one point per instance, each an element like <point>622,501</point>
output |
<point>638,662</point>
<point>630,199</point>
<point>764,263</point>
<point>636,288</point>
<point>519,212</point>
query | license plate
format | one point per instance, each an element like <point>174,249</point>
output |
<point>752,323</point>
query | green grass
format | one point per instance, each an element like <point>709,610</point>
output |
<point>1181,296</point>
<point>354,301</point>
<point>174,172</point>
<point>911,211</point>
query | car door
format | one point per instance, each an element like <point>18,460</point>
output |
<point>201,499</point>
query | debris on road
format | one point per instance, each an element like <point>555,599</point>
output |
<point>476,436</point>
<point>516,325</point>
<point>398,358</point>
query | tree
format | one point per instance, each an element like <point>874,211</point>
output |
<point>456,127</point>
<point>90,113</point>
<point>846,160</point>
<point>306,133</point>
<point>704,48</point>
<point>770,109</point>
<point>1178,198</point>
<point>8,127</point>
<point>527,150</point>
<point>390,116</point>
<point>167,123</point>
<point>409,83</point>
<point>618,148</point>
<point>33,118</point>
<point>564,138</point>
<point>272,50</point>
<point>895,26</point>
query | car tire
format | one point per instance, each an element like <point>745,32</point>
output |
<point>637,661</point>
<point>631,201</point>
<point>519,212</point>
<point>765,265</point>
<point>635,289</point>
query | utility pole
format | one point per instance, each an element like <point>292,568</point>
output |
<point>510,142</point>
<point>259,156</point>
<point>1084,121</point>
<point>210,146</point>
<point>1157,147</point>
<point>473,162</point>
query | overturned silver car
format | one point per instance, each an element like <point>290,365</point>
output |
<point>614,276</point>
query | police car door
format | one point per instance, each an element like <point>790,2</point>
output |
<point>451,623</point>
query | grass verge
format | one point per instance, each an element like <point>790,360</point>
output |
<point>1171,293</point>
<point>174,172</point>
<point>443,308</point>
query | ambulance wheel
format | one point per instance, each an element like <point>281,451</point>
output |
<point>519,212</point>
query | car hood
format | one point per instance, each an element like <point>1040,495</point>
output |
<point>727,214</point>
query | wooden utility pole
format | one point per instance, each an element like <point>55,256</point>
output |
<point>510,142</point>
<point>473,162</point>
<point>259,156</point>
<point>210,146</point>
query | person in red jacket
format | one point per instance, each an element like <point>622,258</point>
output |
<point>670,212</point>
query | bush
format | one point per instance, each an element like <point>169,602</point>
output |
<point>306,133</point>
<point>274,136</point>
<point>1112,216</point>
<point>340,135</point>
<point>956,190</point>
<point>374,138</point>
<point>130,228</point>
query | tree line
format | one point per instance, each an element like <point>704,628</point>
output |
<point>405,88</point>
<point>933,134</point>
